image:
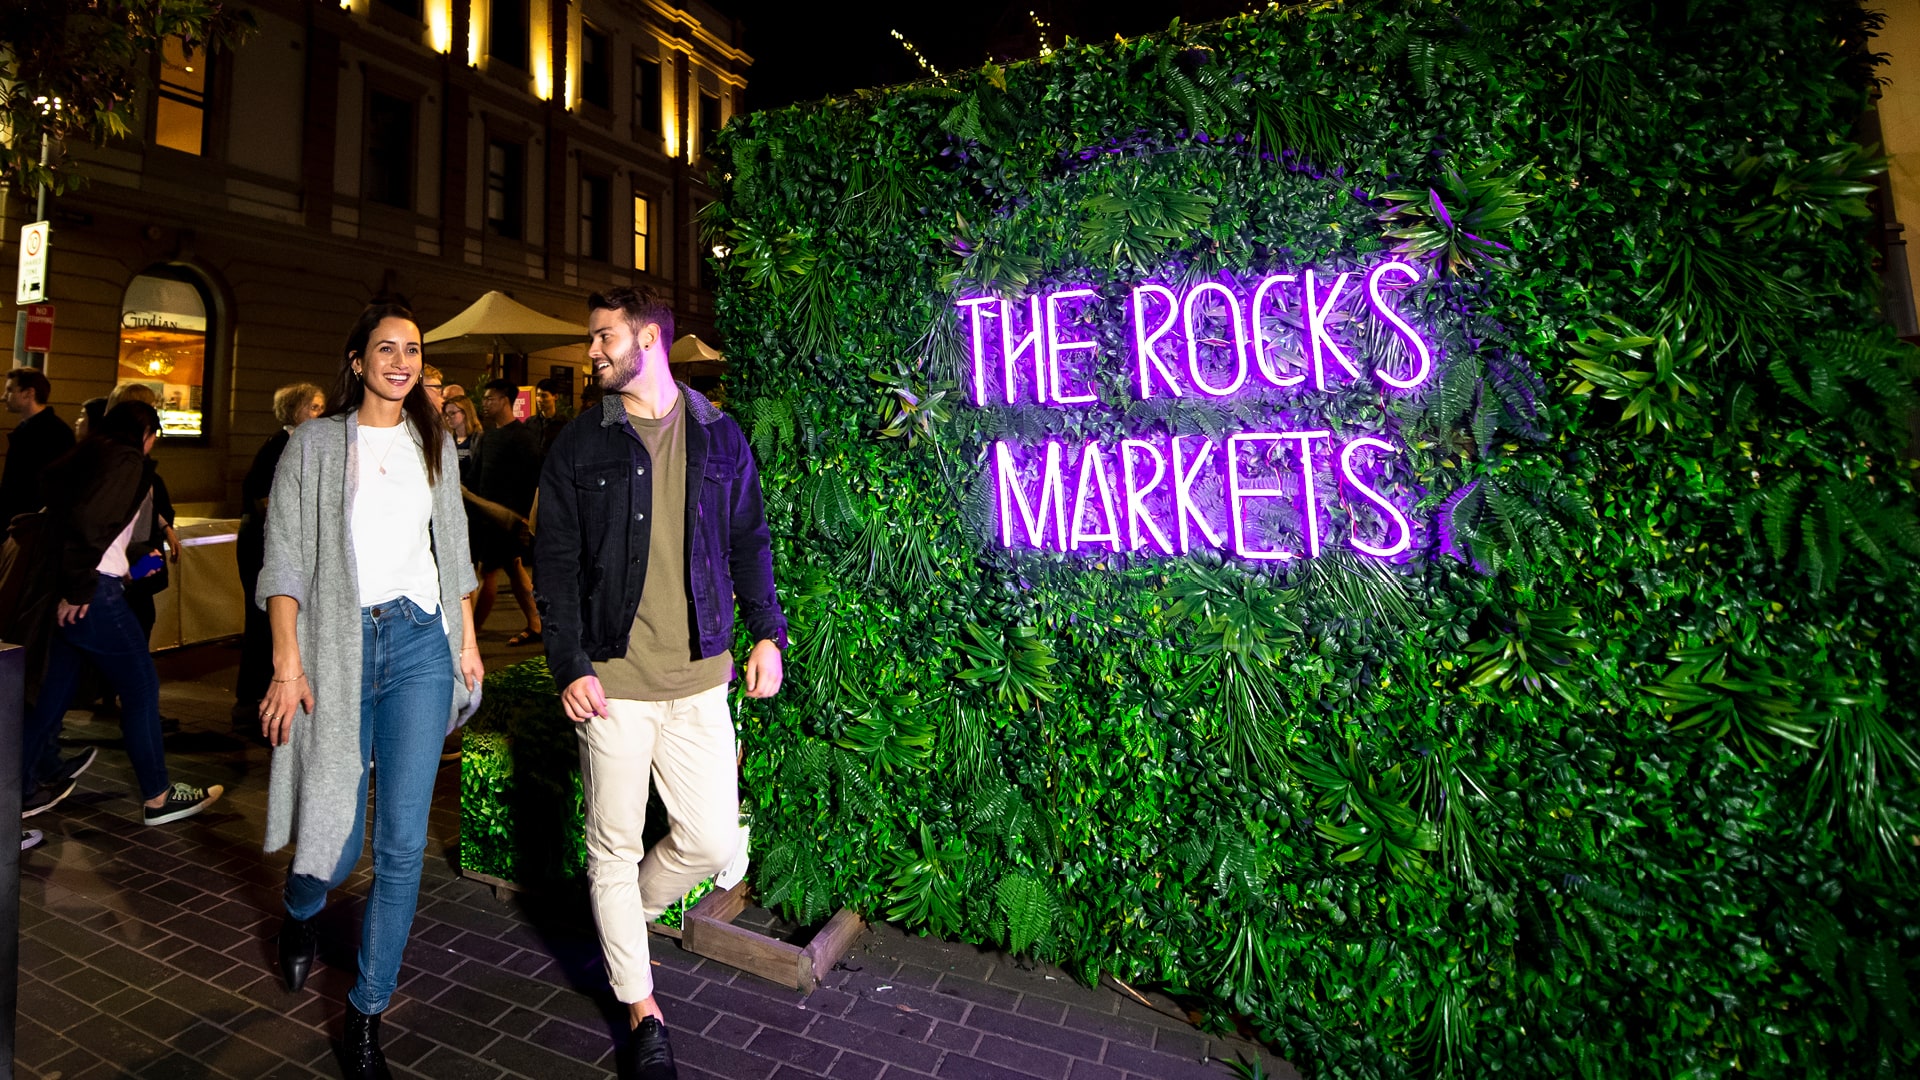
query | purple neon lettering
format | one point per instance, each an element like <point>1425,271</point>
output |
<point>1136,496</point>
<point>976,306</point>
<point>1321,344</point>
<point>1053,498</point>
<point>1184,508</point>
<point>1237,496</point>
<point>1144,339</point>
<point>1033,341</point>
<point>1093,466</point>
<point>1423,366</point>
<point>1401,528</point>
<point>1257,335</point>
<point>1055,347</point>
<point>1310,502</point>
<point>1194,340</point>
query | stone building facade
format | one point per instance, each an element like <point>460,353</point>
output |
<point>426,149</point>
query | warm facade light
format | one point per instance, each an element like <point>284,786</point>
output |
<point>439,15</point>
<point>477,14</point>
<point>540,54</point>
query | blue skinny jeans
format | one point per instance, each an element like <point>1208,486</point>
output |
<point>111,636</point>
<point>406,688</point>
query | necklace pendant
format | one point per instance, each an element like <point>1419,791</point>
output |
<point>383,470</point>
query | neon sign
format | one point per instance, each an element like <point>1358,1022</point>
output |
<point>1263,495</point>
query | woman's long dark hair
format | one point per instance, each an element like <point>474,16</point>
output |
<point>349,388</point>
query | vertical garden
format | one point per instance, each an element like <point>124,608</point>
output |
<point>1608,770</point>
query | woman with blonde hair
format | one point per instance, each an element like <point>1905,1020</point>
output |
<point>367,585</point>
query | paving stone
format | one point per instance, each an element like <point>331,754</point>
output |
<point>1033,1032</point>
<point>150,953</point>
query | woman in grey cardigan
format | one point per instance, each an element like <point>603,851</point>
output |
<point>367,584</point>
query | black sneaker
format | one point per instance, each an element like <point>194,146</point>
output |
<point>30,838</point>
<point>183,801</point>
<point>71,768</point>
<point>46,797</point>
<point>646,1054</point>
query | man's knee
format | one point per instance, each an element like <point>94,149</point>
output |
<point>707,848</point>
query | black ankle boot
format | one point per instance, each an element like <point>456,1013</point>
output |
<point>298,944</point>
<point>360,1051</point>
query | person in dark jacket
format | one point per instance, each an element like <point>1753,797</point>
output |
<point>293,405</point>
<point>651,529</point>
<point>40,438</point>
<point>99,497</point>
<point>506,470</point>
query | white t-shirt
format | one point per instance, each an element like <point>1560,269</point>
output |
<point>392,520</point>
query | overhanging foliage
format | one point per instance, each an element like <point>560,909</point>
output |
<point>1616,779</point>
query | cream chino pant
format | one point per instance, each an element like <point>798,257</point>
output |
<point>686,748</point>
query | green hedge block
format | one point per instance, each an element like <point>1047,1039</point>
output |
<point>1614,775</point>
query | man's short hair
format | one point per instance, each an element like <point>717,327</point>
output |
<point>640,305</point>
<point>551,386</point>
<point>503,387</point>
<point>33,379</point>
<point>288,400</point>
<point>132,391</point>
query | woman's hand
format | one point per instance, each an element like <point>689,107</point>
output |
<point>284,696</point>
<point>68,614</point>
<point>471,669</point>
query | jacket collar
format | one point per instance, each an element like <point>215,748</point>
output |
<point>613,412</point>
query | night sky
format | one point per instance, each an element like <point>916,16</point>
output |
<point>806,51</point>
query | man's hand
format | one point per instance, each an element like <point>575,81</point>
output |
<point>68,614</point>
<point>764,670</point>
<point>583,699</point>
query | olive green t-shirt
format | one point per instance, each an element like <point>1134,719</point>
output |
<point>659,664</point>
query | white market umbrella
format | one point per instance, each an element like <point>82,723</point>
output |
<point>496,324</point>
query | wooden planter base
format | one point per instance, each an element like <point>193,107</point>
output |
<point>707,930</point>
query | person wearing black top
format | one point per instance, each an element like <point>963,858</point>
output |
<point>506,470</point>
<point>33,445</point>
<point>293,405</point>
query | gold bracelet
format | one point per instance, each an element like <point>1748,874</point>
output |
<point>471,648</point>
<point>296,678</point>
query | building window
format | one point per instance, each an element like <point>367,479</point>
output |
<point>709,119</point>
<point>594,79</point>
<point>593,217</point>
<point>389,150</point>
<point>409,8</point>
<point>180,118</point>
<point>506,191</point>
<point>163,346</point>
<point>642,229</point>
<point>647,103</point>
<point>508,26</point>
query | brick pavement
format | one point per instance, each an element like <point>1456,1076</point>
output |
<point>146,951</point>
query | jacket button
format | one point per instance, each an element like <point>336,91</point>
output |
<point>639,472</point>
<point>603,481</point>
<point>639,517</point>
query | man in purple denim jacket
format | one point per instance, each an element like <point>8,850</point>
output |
<point>651,529</point>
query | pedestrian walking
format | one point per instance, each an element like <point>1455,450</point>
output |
<point>651,529</point>
<point>36,442</point>
<point>293,405</point>
<point>463,423</point>
<point>505,470</point>
<point>546,421</point>
<point>99,500</point>
<point>367,583</point>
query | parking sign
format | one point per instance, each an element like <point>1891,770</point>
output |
<point>32,284</point>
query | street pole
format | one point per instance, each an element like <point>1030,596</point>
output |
<point>39,214</point>
<point>40,204</point>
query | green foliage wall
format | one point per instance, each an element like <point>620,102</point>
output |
<point>1626,788</point>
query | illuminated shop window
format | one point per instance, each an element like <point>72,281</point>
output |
<point>180,115</point>
<point>642,229</point>
<point>163,346</point>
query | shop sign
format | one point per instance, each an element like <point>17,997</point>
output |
<point>1260,494</point>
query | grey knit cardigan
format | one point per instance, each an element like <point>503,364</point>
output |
<point>316,774</point>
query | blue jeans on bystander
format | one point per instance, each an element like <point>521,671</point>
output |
<point>112,637</point>
<point>406,689</point>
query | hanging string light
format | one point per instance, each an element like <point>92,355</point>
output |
<point>925,64</point>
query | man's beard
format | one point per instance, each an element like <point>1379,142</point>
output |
<point>620,370</point>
